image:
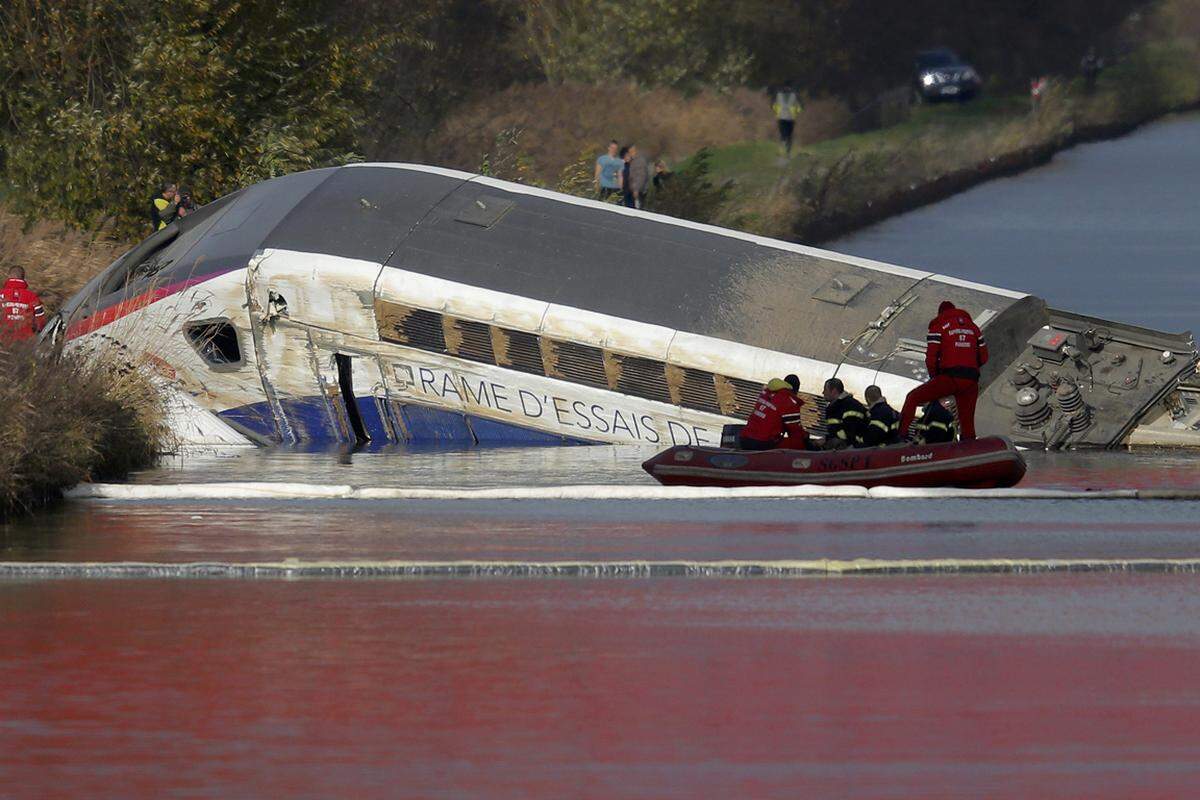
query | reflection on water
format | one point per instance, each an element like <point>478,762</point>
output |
<point>1106,229</point>
<point>1059,686</point>
<point>602,529</point>
<point>604,464</point>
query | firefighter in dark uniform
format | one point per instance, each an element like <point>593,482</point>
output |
<point>845,417</point>
<point>883,421</point>
<point>936,424</point>
<point>775,420</point>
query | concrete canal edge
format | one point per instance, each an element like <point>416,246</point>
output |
<point>295,569</point>
<point>306,491</point>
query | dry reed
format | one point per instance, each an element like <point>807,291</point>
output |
<point>58,260</point>
<point>69,418</point>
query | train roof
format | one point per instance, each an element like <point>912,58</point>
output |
<point>561,249</point>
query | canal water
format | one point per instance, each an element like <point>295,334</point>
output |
<point>1109,228</point>
<point>999,684</point>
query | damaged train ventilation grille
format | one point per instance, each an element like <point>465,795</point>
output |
<point>412,326</point>
<point>519,350</point>
<point>745,396</point>
<point>697,390</point>
<point>580,363</point>
<point>641,377</point>
<point>470,340</point>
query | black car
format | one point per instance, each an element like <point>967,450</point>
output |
<point>941,75</point>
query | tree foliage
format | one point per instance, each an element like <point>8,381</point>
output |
<point>655,42</point>
<point>855,49</point>
<point>214,93</point>
<point>690,193</point>
<point>102,99</point>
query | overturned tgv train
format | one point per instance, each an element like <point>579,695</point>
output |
<point>396,303</point>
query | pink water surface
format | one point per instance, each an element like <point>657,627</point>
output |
<point>1001,686</point>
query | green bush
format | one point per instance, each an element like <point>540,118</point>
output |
<point>691,193</point>
<point>217,94</point>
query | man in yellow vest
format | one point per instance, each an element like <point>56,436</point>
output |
<point>787,106</point>
<point>164,208</point>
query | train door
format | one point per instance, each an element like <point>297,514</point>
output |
<point>302,307</point>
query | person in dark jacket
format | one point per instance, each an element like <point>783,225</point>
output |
<point>883,421</point>
<point>954,352</point>
<point>845,417</point>
<point>637,183</point>
<point>775,420</point>
<point>936,424</point>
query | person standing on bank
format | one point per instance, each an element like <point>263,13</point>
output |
<point>786,107</point>
<point>21,312</point>
<point>954,352</point>
<point>637,183</point>
<point>608,172</point>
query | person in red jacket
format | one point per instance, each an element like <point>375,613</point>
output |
<point>21,311</point>
<point>775,421</point>
<point>954,352</point>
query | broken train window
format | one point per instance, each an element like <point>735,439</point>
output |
<point>216,341</point>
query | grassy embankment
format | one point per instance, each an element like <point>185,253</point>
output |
<point>829,188</point>
<point>64,419</point>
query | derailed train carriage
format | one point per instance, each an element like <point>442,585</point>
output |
<point>394,303</point>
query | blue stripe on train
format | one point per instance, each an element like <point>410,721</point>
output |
<point>312,420</point>
<point>373,412</point>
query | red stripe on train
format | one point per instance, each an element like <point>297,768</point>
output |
<point>124,308</point>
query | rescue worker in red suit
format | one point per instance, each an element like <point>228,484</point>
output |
<point>21,311</point>
<point>954,352</point>
<point>775,421</point>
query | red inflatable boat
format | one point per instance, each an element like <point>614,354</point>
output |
<point>980,464</point>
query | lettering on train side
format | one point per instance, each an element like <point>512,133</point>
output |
<point>427,381</point>
<point>580,409</point>
<point>480,398</point>
<point>562,412</point>
<point>675,429</point>
<point>449,388</point>
<point>651,432</point>
<point>559,411</point>
<point>599,416</point>
<point>619,425</point>
<point>529,402</point>
<point>499,396</point>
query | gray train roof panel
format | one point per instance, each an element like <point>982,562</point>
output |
<point>361,212</point>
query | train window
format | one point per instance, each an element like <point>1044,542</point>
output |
<point>216,341</point>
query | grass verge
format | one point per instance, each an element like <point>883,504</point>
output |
<point>835,186</point>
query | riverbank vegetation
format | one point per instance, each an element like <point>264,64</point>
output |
<point>105,99</point>
<point>67,419</point>
<point>831,187</point>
